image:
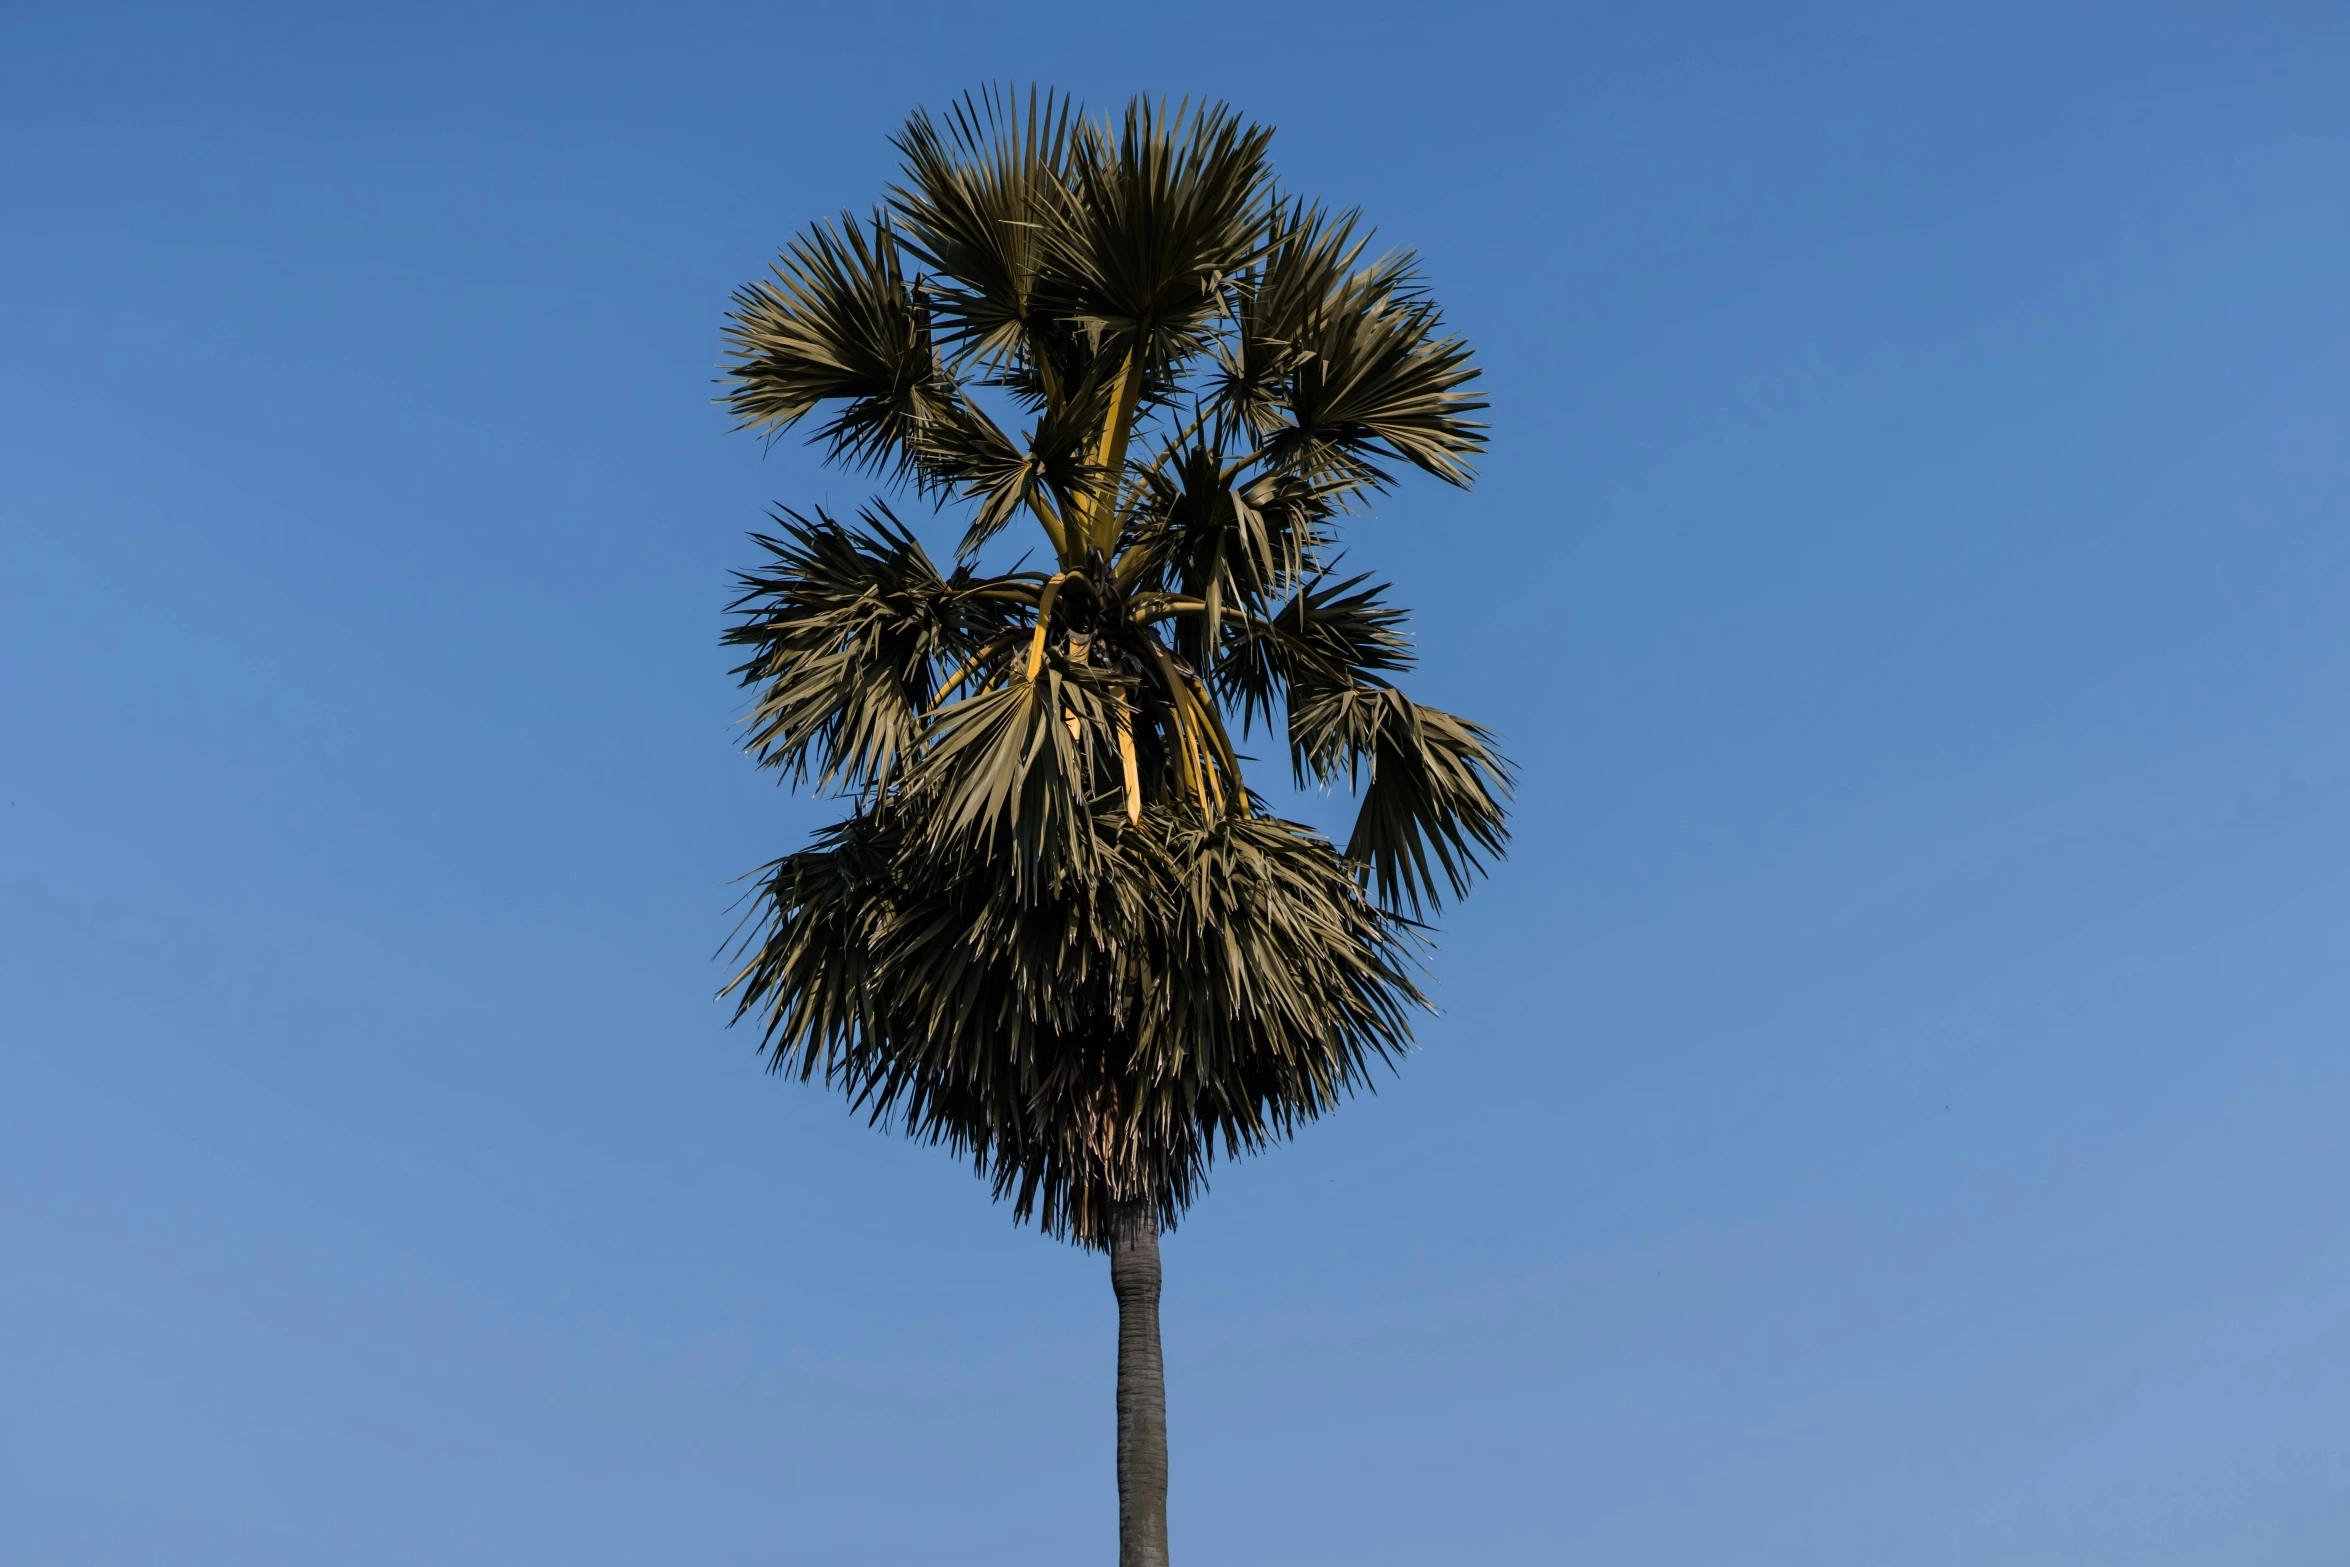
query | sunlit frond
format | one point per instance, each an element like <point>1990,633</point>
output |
<point>978,198</point>
<point>1375,377</point>
<point>1163,208</point>
<point>848,629</point>
<point>1435,787</point>
<point>1009,778</point>
<point>835,321</point>
<point>1333,635</point>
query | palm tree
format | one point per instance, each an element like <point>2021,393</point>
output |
<point>1057,932</point>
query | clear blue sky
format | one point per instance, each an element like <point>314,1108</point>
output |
<point>1889,1112</point>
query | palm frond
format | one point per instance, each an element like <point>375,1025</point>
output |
<point>836,321</point>
<point>808,971</point>
<point>968,452</point>
<point>1335,361</point>
<point>1435,797</point>
<point>848,630</point>
<point>1161,211</point>
<point>979,198</point>
<point>1376,377</point>
<point>1308,259</point>
<point>1214,985</point>
<point>1009,778</point>
<point>1333,634</point>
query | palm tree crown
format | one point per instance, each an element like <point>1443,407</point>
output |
<point>1057,931</point>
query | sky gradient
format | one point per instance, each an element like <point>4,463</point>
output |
<point>1888,1111</point>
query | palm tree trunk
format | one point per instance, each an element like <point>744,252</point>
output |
<point>1142,1387</point>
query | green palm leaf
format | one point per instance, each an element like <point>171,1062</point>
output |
<point>848,631</point>
<point>836,322</point>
